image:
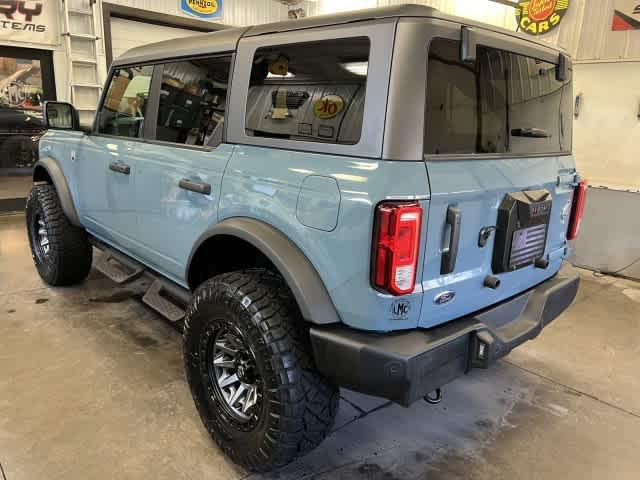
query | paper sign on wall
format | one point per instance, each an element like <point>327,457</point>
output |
<point>29,21</point>
<point>626,15</point>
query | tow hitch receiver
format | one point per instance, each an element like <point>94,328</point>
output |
<point>481,350</point>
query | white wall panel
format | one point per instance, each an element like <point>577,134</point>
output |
<point>235,12</point>
<point>608,128</point>
<point>609,232</point>
<point>126,34</point>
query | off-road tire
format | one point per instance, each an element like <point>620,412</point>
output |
<point>68,260</point>
<point>299,405</point>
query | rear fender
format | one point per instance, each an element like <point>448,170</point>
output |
<point>304,281</point>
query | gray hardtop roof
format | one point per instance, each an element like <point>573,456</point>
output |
<point>226,40</point>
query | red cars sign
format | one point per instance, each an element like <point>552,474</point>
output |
<point>537,17</point>
<point>626,15</point>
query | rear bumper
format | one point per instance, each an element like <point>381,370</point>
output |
<point>406,366</point>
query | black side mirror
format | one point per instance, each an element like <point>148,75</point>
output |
<point>61,116</point>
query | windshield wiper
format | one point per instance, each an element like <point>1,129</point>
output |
<point>530,133</point>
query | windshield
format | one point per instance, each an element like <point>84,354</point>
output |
<point>501,103</point>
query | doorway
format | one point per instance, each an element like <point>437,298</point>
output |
<point>26,81</point>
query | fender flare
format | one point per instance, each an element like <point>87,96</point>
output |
<point>301,276</point>
<point>62,187</point>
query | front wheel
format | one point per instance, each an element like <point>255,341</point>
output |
<point>248,363</point>
<point>61,251</point>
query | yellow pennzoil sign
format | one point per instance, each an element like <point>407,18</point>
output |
<point>537,17</point>
<point>203,8</point>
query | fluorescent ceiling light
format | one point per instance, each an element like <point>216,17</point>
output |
<point>288,75</point>
<point>357,68</point>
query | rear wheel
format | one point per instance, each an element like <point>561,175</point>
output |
<point>248,362</point>
<point>61,251</point>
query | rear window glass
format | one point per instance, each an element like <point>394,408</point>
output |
<point>501,103</point>
<point>309,91</point>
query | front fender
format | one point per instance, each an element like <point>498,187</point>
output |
<point>301,276</point>
<point>54,172</point>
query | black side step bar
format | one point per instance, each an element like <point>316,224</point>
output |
<point>165,297</point>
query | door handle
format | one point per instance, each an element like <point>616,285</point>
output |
<point>120,168</point>
<point>451,253</point>
<point>187,184</point>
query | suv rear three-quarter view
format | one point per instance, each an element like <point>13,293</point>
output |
<point>380,200</point>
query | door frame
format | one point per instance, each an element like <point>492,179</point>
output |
<point>46,64</point>
<point>48,92</point>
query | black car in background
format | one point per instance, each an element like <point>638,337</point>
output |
<point>20,131</point>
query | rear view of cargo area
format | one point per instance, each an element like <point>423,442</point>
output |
<point>497,147</point>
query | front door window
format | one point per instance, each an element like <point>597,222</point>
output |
<point>123,111</point>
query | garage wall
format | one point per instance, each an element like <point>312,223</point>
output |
<point>608,235</point>
<point>607,131</point>
<point>126,34</point>
<point>235,12</point>
<point>480,10</point>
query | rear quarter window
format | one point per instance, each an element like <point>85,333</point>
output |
<point>502,103</point>
<point>309,91</point>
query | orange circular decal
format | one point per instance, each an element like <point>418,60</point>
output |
<point>540,10</point>
<point>328,106</point>
<point>537,17</point>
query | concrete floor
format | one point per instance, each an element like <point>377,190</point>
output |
<point>91,387</point>
<point>15,186</point>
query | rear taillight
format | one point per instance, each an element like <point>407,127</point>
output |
<point>577,209</point>
<point>396,245</point>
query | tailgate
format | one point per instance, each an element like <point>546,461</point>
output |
<point>497,145</point>
<point>477,188</point>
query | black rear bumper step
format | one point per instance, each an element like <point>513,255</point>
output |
<point>405,366</point>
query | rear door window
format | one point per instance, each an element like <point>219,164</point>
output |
<point>193,100</point>
<point>503,103</point>
<point>309,91</point>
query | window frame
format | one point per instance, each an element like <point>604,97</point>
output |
<point>151,115</point>
<point>406,109</point>
<point>103,97</point>
<point>380,35</point>
<point>512,48</point>
<point>296,136</point>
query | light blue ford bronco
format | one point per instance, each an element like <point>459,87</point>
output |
<point>381,200</point>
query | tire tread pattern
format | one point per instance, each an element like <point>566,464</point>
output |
<point>70,254</point>
<point>303,404</point>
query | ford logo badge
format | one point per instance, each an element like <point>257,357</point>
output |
<point>444,297</point>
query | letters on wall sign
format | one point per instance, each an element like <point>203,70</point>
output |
<point>537,17</point>
<point>29,21</point>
